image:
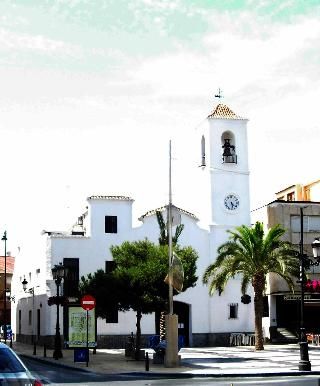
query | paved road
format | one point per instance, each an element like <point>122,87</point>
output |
<point>57,376</point>
<point>53,374</point>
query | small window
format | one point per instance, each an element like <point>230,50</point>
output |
<point>314,223</point>
<point>290,196</point>
<point>30,318</point>
<point>112,315</point>
<point>110,224</point>
<point>203,151</point>
<point>265,313</point>
<point>233,311</point>
<point>307,194</point>
<point>19,322</point>
<point>110,266</point>
<point>310,223</point>
<point>71,282</point>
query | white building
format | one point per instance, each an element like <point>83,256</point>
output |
<point>223,187</point>
<point>282,314</point>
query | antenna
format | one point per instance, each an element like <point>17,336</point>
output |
<point>219,95</point>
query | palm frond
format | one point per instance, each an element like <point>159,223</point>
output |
<point>252,253</point>
<point>246,280</point>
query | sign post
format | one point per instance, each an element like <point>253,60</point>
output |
<point>88,303</point>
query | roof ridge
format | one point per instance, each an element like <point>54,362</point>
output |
<point>222,111</point>
<point>101,197</point>
<point>164,207</point>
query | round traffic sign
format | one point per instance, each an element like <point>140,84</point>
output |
<point>88,302</point>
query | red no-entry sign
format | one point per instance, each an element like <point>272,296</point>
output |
<point>88,302</point>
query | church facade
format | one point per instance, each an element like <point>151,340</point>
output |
<point>203,320</point>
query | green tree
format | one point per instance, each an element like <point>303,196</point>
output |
<point>253,253</point>
<point>108,291</point>
<point>143,266</point>
<point>137,281</point>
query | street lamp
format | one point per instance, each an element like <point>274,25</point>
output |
<point>31,291</point>
<point>4,238</point>
<point>305,263</point>
<point>58,272</point>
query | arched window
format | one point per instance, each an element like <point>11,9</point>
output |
<point>228,148</point>
<point>203,151</point>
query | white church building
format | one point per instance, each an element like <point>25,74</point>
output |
<point>107,220</point>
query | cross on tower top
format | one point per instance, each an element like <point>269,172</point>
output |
<point>219,95</point>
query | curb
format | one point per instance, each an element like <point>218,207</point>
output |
<point>177,375</point>
<point>51,362</point>
<point>151,375</point>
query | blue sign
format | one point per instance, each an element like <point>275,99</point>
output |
<point>81,355</point>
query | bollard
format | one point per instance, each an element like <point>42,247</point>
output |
<point>44,350</point>
<point>34,348</point>
<point>147,362</point>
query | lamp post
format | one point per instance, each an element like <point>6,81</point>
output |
<point>4,238</point>
<point>58,272</point>
<point>31,291</point>
<point>305,263</point>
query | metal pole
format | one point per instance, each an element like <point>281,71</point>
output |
<point>169,225</point>
<point>87,337</point>
<point>32,291</point>
<point>304,363</point>
<point>171,355</point>
<point>33,335</point>
<point>5,287</point>
<point>57,341</point>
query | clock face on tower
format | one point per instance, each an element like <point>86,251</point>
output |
<point>231,202</point>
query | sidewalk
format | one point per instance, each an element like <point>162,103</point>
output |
<point>201,361</point>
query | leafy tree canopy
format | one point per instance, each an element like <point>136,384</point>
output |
<point>137,282</point>
<point>144,266</point>
<point>106,289</point>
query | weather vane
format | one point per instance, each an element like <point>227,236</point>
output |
<point>219,95</point>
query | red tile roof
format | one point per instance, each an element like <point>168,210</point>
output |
<point>223,112</point>
<point>10,264</point>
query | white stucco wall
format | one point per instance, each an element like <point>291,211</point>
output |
<point>207,314</point>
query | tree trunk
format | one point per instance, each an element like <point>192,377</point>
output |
<point>138,335</point>
<point>258,285</point>
<point>258,311</point>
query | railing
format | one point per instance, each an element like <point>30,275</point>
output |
<point>242,339</point>
<point>229,159</point>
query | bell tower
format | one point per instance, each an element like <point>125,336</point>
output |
<point>225,172</point>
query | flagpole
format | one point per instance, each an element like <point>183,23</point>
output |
<point>171,356</point>
<point>169,224</point>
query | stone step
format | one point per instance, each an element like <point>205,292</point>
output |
<point>285,336</point>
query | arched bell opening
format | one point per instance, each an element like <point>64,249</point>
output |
<point>203,152</point>
<point>229,155</point>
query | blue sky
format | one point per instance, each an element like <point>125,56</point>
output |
<point>92,91</point>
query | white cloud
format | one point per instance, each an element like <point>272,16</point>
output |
<point>119,123</point>
<point>26,42</point>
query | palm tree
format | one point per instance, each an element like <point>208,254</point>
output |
<point>164,239</point>
<point>253,253</point>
